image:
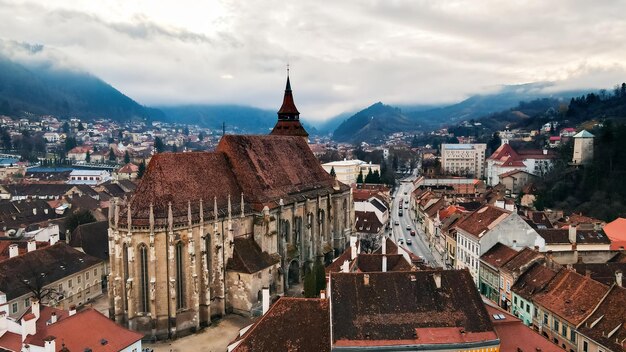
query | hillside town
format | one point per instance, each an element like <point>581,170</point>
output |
<point>134,237</point>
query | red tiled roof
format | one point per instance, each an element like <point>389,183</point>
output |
<point>290,325</point>
<point>367,222</point>
<point>374,262</point>
<point>11,342</point>
<point>504,151</point>
<point>609,327</point>
<point>512,172</point>
<point>572,296</point>
<point>616,231</point>
<point>86,329</point>
<point>481,220</point>
<point>533,281</point>
<point>515,336</point>
<point>128,168</point>
<point>498,255</point>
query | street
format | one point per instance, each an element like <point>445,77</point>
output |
<point>419,245</point>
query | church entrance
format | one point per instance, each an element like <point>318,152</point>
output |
<point>294,273</point>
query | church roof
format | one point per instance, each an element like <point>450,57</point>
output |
<point>289,106</point>
<point>264,168</point>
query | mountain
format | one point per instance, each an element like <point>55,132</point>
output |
<point>43,89</point>
<point>373,124</point>
<point>329,125</point>
<point>245,118</point>
<point>478,106</point>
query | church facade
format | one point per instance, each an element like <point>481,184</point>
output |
<point>205,231</point>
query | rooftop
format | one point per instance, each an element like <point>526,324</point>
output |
<point>482,220</point>
<point>498,255</point>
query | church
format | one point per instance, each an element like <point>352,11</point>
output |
<point>205,231</point>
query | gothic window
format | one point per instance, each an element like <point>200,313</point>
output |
<point>209,261</point>
<point>297,228</point>
<point>345,210</point>
<point>286,230</point>
<point>143,278</point>
<point>180,284</point>
<point>125,268</point>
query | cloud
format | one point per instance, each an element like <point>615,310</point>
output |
<point>344,55</point>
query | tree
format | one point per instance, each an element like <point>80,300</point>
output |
<point>315,280</point>
<point>395,163</point>
<point>376,177</point>
<point>111,155</point>
<point>494,143</point>
<point>201,136</point>
<point>332,172</point>
<point>70,143</point>
<point>88,157</point>
<point>81,127</point>
<point>34,279</point>
<point>66,127</point>
<point>368,178</point>
<point>186,131</point>
<point>142,169</point>
<point>6,139</point>
<point>359,178</point>
<point>158,145</point>
<point>126,157</point>
<point>78,218</point>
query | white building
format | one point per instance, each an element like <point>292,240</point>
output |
<point>88,177</point>
<point>463,159</point>
<point>506,159</point>
<point>347,171</point>
<point>483,228</point>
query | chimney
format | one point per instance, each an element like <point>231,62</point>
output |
<point>384,248</point>
<point>266,299</point>
<point>322,294</point>
<point>437,279</point>
<point>72,310</point>
<point>384,268</point>
<point>3,321</point>
<point>29,326</point>
<point>345,267</point>
<point>32,245</point>
<point>49,344</point>
<point>13,251</point>
<point>618,278</point>
<point>54,238</point>
<point>366,279</point>
<point>53,317</point>
<point>45,211</point>
<point>34,307</point>
<point>587,273</point>
<point>545,152</point>
<point>34,211</point>
<point>353,252</point>
<point>572,234</point>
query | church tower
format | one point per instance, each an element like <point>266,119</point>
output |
<point>583,148</point>
<point>289,117</point>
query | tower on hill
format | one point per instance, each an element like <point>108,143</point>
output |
<point>288,123</point>
<point>583,148</point>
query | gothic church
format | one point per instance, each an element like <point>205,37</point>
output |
<point>206,231</point>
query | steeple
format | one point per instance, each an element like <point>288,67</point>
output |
<point>288,116</point>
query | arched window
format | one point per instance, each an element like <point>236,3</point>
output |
<point>144,299</point>
<point>180,274</point>
<point>297,228</point>
<point>345,210</point>
<point>209,260</point>
<point>125,273</point>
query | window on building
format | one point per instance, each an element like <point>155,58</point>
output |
<point>87,275</point>
<point>78,279</point>
<point>209,260</point>
<point>69,283</point>
<point>95,272</point>
<point>528,308</point>
<point>508,286</point>
<point>14,308</point>
<point>501,283</point>
<point>180,277</point>
<point>572,336</point>
<point>515,300</point>
<point>555,325</point>
<point>87,290</point>
<point>545,318</point>
<point>564,330</point>
<point>143,276</point>
<point>27,302</point>
<point>60,288</point>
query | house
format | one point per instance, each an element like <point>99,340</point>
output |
<point>347,171</point>
<point>567,301</point>
<point>512,269</point>
<point>604,329</point>
<point>529,284</point>
<point>47,329</point>
<point>126,172</point>
<point>515,180</point>
<point>367,224</point>
<point>616,231</point>
<point>505,159</point>
<point>572,239</point>
<point>64,275</point>
<point>484,228</point>
<point>88,177</point>
<point>427,299</point>
<point>79,153</point>
<point>490,282</point>
<point>514,335</point>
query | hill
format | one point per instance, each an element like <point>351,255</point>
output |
<point>44,89</point>
<point>372,124</point>
<point>245,118</point>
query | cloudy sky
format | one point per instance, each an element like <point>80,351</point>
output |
<point>344,55</point>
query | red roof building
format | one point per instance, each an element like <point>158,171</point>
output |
<point>616,231</point>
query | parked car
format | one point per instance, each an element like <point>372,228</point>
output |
<point>408,228</point>
<point>412,232</point>
<point>396,223</point>
<point>409,241</point>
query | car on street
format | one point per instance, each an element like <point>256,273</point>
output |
<point>396,223</point>
<point>405,193</point>
<point>400,213</point>
<point>412,232</point>
<point>401,240</point>
<point>408,227</point>
<point>409,241</point>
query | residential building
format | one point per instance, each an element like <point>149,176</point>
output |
<point>490,281</point>
<point>604,329</point>
<point>506,159</point>
<point>79,153</point>
<point>515,180</point>
<point>573,239</point>
<point>583,148</point>
<point>88,177</point>
<point>616,231</point>
<point>512,269</point>
<point>565,304</point>
<point>484,228</point>
<point>47,329</point>
<point>347,171</point>
<point>463,159</point>
<point>64,275</point>
<point>127,172</point>
<point>529,284</point>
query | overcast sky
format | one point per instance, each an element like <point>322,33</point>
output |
<point>344,54</point>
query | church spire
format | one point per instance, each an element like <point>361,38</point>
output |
<point>288,116</point>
